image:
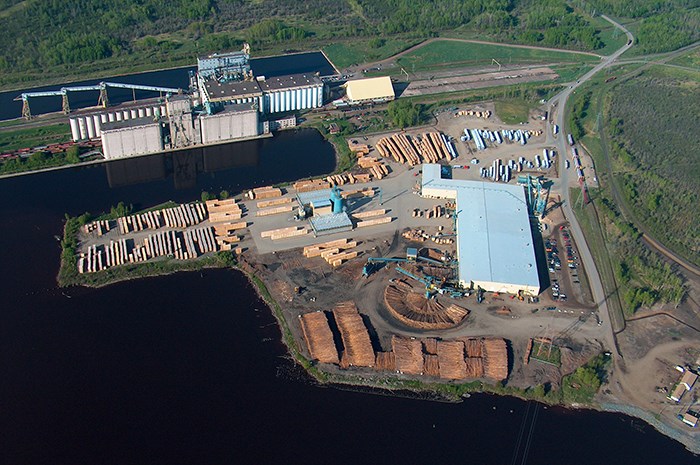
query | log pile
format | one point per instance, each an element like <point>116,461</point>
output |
<point>414,310</point>
<point>274,202</point>
<point>408,354</point>
<point>474,367</point>
<point>451,359</point>
<point>385,361</point>
<point>431,365</point>
<point>352,194</point>
<point>318,337</point>
<point>359,149</point>
<point>375,166</point>
<point>429,148</point>
<point>495,359</point>
<point>275,210</point>
<point>267,192</point>
<point>183,216</point>
<point>100,227</point>
<point>486,114</point>
<point>358,347</point>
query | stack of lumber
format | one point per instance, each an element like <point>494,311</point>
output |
<point>431,365</point>
<point>334,252</point>
<point>375,166</point>
<point>362,178</point>
<point>374,222</point>
<point>275,202</point>
<point>430,346</point>
<point>223,210</point>
<point>228,229</point>
<point>275,210</point>
<point>369,214</point>
<point>318,337</point>
<point>456,313</point>
<point>414,310</point>
<point>409,355</point>
<point>479,114</point>
<point>183,216</point>
<point>284,233</point>
<point>359,149</point>
<point>311,185</point>
<point>100,227</point>
<point>451,359</point>
<point>495,359</point>
<point>474,348</point>
<point>351,194</point>
<point>385,361</point>
<point>358,347</point>
<point>267,192</point>
<point>340,179</point>
<point>399,147</point>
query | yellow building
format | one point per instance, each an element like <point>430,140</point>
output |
<point>377,89</point>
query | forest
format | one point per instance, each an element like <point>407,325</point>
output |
<point>55,37</point>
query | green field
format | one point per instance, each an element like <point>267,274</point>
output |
<point>612,37</point>
<point>22,138</point>
<point>513,111</point>
<point>690,59</point>
<point>546,353</point>
<point>451,54</point>
<point>344,54</point>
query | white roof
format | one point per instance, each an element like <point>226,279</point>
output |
<point>369,89</point>
<point>494,239</point>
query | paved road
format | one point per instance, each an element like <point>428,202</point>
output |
<point>559,101</point>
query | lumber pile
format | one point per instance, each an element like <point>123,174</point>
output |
<point>375,166</point>
<point>267,192</point>
<point>334,252</point>
<point>352,194</point>
<point>275,210</point>
<point>358,347</point>
<point>284,233</point>
<point>341,179</point>
<point>474,367</point>
<point>311,185</point>
<point>430,346</point>
<point>359,149</point>
<point>474,348</point>
<point>374,222</point>
<point>100,227</point>
<point>451,359</point>
<point>274,202</point>
<point>385,361</point>
<point>369,214</point>
<point>431,365</point>
<point>318,337</point>
<point>183,216</point>
<point>224,210</point>
<point>486,114</point>
<point>409,355</point>
<point>495,359</point>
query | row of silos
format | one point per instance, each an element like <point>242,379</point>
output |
<point>83,127</point>
<point>303,98</point>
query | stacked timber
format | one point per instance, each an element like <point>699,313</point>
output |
<point>311,185</point>
<point>267,192</point>
<point>359,149</point>
<point>318,337</point>
<point>369,214</point>
<point>385,361</point>
<point>99,227</point>
<point>275,210</point>
<point>474,367</point>
<point>374,222</point>
<point>334,252</point>
<point>351,194</point>
<point>220,211</point>
<point>358,347</point>
<point>284,233</point>
<point>341,179</point>
<point>430,148</point>
<point>431,365</point>
<point>479,114</point>
<point>182,216</point>
<point>416,311</point>
<point>409,355</point>
<point>275,202</point>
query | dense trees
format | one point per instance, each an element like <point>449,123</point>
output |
<point>405,113</point>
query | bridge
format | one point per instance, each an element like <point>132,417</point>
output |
<point>101,87</point>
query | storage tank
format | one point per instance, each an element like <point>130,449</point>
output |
<point>336,200</point>
<point>83,128</point>
<point>74,130</point>
<point>98,125</point>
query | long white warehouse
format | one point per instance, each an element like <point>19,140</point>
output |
<point>495,248</point>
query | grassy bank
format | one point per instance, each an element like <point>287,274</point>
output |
<point>11,140</point>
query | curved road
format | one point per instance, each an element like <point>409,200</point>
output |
<point>559,101</point>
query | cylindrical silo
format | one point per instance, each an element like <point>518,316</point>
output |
<point>74,130</point>
<point>149,111</point>
<point>287,100</point>
<point>134,113</point>
<point>90,127</point>
<point>97,124</point>
<point>119,116</point>
<point>83,128</point>
<point>111,117</point>
<point>142,112</point>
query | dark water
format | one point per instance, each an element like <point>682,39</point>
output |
<point>311,62</point>
<point>189,369</point>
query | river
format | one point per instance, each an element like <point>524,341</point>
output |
<point>310,62</point>
<point>189,368</point>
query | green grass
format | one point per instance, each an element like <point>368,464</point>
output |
<point>690,59</point>
<point>553,357</point>
<point>582,385</point>
<point>612,37</point>
<point>570,73</point>
<point>514,111</point>
<point>32,137</point>
<point>344,54</point>
<point>450,54</point>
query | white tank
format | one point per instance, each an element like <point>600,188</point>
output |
<point>142,112</point>
<point>111,117</point>
<point>134,113</point>
<point>119,116</point>
<point>90,127</point>
<point>104,117</point>
<point>83,128</point>
<point>98,125</point>
<point>149,111</point>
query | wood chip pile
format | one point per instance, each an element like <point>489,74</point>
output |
<point>409,355</point>
<point>318,337</point>
<point>358,347</point>
<point>451,359</point>
<point>429,148</point>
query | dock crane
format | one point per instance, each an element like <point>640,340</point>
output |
<point>101,87</point>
